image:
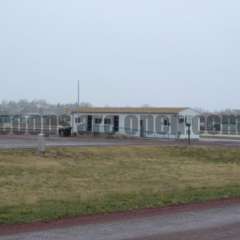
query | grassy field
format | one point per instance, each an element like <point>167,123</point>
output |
<point>74,181</point>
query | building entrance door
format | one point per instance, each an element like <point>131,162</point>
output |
<point>89,124</point>
<point>116,123</point>
<point>142,128</point>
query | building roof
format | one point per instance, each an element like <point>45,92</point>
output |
<point>130,110</point>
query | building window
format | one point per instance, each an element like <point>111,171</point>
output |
<point>166,122</point>
<point>4,119</point>
<point>181,120</point>
<point>77,120</point>
<point>98,120</point>
<point>107,121</point>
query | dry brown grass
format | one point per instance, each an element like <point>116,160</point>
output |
<point>88,174</point>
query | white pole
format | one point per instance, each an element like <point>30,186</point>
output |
<point>78,93</point>
<point>41,147</point>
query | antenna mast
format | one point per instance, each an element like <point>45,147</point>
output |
<point>78,100</point>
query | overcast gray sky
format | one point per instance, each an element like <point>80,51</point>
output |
<point>125,52</point>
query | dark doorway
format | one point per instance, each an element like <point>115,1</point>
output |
<point>89,124</point>
<point>116,123</point>
<point>142,129</point>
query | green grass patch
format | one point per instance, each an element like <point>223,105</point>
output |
<point>68,182</point>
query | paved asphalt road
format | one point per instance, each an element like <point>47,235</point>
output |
<point>215,223</point>
<point>9,142</point>
<point>18,142</point>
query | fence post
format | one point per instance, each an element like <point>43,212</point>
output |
<point>41,145</point>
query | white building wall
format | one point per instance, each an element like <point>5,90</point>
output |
<point>125,129</point>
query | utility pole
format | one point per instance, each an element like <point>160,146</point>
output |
<point>78,103</point>
<point>78,100</point>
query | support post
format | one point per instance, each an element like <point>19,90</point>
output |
<point>41,145</point>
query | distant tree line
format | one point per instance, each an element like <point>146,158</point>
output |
<point>37,107</point>
<point>43,107</point>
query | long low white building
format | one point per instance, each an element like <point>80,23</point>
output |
<point>172,123</point>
